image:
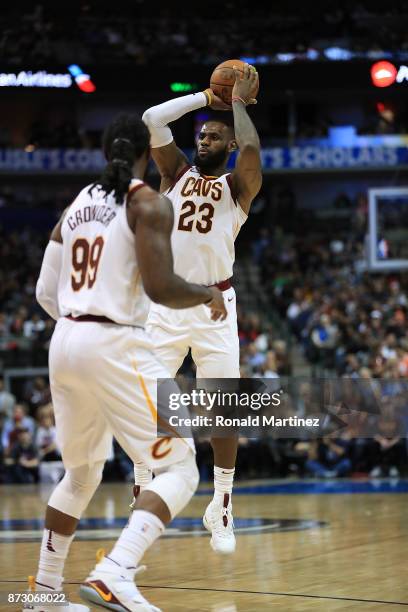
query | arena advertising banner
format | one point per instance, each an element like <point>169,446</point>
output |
<point>325,157</point>
<point>274,159</point>
<point>51,160</point>
<point>50,80</point>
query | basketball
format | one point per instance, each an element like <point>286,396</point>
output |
<point>223,78</point>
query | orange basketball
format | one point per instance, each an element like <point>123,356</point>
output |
<point>223,78</point>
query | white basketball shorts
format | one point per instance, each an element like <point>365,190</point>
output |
<point>214,344</point>
<point>103,383</point>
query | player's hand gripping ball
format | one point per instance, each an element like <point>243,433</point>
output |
<point>224,77</point>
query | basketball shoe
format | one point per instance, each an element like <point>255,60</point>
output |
<point>113,587</point>
<point>219,521</point>
<point>68,607</point>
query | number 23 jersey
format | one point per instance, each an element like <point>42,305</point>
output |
<point>207,219</point>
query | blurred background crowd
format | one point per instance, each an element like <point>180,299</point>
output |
<point>308,307</point>
<point>145,32</point>
<point>342,321</point>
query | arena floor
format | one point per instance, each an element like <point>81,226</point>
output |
<point>302,545</point>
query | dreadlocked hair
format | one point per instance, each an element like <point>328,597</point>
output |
<point>123,142</point>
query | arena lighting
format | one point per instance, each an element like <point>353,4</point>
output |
<point>258,59</point>
<point>328,54</point>
<point>285,57</point>
<point>384,74</point>
<point>42,78</point>
<point>183,87</point>
<point>338,54</point>
<point>81,79</point>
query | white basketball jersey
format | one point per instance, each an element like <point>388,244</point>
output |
<point>100,274</point>
<point>207,220</point>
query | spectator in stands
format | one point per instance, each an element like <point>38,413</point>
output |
<point>269,369</point>
<point>249,327</point>
<point>282,357</point>
<point>324,337</point>
<point>329,458</point>
<point>12,426</point>
<point>389,347</point>
<point>45,336</point>
<point>37,392</point>
<point>255,358</point>
<point>23,460</point>
<point>260,245</point>
<point>7,400</point>
<point>46,410</point>
<point>388,450</point>
<point>3,322</point>
<point>46,438</point>
<point>33,326</point>
<point>3,417</point>
<point>298,312</point>
<point>41,36</point>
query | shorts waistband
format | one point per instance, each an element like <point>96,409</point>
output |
<point>94,318</point>
<point>223,285</point>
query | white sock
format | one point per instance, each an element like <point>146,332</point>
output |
<point>139,534</point>
<point>223,482</point>
<point>143,477</point>
<point>53,552</point>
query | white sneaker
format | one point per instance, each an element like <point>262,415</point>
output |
<point>376,472</point>
<point>393,472</point>
<point>219,521</point>
<point>69,607</point>
<point>115,590</point>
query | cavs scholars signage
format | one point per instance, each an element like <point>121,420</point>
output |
<point>306,158</point>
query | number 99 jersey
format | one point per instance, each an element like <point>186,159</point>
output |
<point>207,219</point>
<point>100,274</point>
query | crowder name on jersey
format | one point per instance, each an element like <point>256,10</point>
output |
<point>102,214</point>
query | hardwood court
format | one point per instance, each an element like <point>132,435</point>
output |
<point>355,559</point>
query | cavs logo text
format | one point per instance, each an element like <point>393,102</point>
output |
<point>161,448</point>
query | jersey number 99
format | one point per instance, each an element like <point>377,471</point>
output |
<point>85,262</point>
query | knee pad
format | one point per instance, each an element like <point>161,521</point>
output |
<point>176,483</point>
<point>73,494</point>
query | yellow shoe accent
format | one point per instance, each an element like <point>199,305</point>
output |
<point>105,596</point>
<point>31,583</point>
<point>100,553</point>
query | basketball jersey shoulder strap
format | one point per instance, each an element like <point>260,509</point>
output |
<point>182,172</point>
<point>232,189</point>
<point>135,185</point>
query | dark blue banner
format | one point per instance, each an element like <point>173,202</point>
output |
<point>306,158</point>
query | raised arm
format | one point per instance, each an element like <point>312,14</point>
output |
<point>247,175</point>
<point>151,218</point>
<point>170,160</point>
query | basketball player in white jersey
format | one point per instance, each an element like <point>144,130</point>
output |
<point>210,205</point>
<point>109,253</point>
